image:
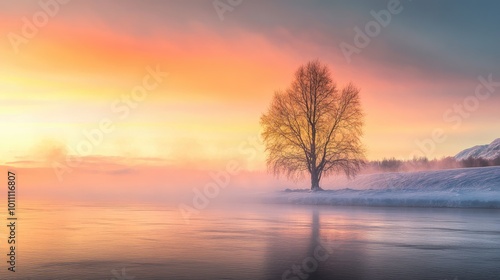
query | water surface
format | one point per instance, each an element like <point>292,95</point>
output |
<point>141,241</point>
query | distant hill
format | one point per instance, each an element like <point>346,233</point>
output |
<point>488,152</point>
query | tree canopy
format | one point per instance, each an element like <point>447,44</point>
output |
<point>314,127</point>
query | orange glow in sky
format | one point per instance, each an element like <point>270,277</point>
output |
<point>60,85</point>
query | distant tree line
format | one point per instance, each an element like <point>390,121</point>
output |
<point>423,163</point>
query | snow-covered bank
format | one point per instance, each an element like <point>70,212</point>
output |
<point>471,187</point>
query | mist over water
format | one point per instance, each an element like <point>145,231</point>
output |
<point>247,241</point>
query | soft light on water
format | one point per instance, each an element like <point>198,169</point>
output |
<point>88,241</point>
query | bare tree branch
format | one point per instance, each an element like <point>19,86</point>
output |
<point>314,128</point>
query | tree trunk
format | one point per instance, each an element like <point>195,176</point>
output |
<point>315,181</point>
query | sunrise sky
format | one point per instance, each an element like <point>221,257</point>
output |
<point>222,72</point>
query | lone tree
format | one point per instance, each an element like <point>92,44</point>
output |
<point>313,127</point>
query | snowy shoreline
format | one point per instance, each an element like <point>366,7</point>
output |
<point>456,188</point>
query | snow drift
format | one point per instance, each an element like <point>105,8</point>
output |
<point>471,187</point>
